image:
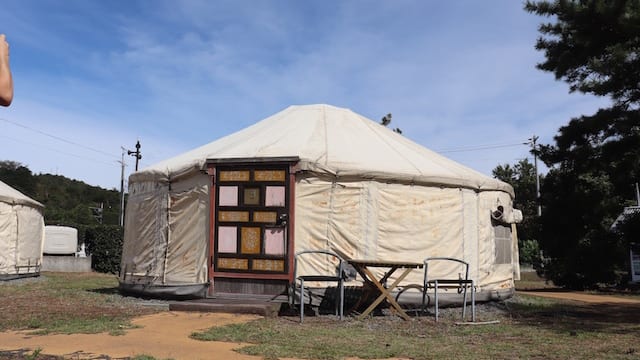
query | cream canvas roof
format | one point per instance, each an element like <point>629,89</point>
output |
<point>12,196</point>
<point>334,141</point>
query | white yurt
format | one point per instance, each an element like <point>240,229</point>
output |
<point>228,217</point>
<point>21,234</point>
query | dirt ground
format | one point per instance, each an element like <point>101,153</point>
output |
<point>166,335</point>
<point>163,335</point>
<point>583,297</point>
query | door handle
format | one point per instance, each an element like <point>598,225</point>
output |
<point>282,220</point>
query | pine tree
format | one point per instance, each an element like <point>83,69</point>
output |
<point>593,46</point>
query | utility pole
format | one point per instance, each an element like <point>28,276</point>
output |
<point>532,141</point>
<point>122,188</point>
<point>137,154</point>
<point>98,212</point>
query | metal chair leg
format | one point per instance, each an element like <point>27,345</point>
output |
<point>473,301</point>
<point>464,303</point>
<point>301,300</point>
<point>341,300</point>
<point>436,296</point>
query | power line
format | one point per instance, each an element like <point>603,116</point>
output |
<point>479,147</point>
<point>56,150</point>
<point>60,138</point>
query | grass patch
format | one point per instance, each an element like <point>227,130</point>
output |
<point>67,303</point>
<point>145,357</point>
<point>530,327</point>
<point>529,280</point>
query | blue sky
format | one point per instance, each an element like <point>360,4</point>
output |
<point>92,76</point>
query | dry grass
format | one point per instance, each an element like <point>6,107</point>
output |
<point>531,281</point>
<point>67,303</point>
<point>529,328</point>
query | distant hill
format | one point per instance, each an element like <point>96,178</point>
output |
<point>66,201</point>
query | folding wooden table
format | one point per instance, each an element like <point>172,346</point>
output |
<point>362,267</point>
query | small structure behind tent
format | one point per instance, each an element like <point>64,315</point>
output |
<point>634,253</point>
<point>60,240</point>
<point>61,252</point>
<point>634,247</point>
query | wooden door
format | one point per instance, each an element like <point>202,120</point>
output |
<point>252,213</point>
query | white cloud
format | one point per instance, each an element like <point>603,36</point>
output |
<point>179,74</point>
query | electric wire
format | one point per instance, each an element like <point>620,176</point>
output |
<point>442,151</point>
<point>58,151</point>
<point>59,138</point>
<point>479,147</point>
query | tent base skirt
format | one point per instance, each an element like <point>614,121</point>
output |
<point>452,298</point>
<point>172,292</point>
<point>5,277</point>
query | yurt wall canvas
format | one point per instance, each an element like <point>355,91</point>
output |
<point>400,222</point>
<point>350,184</point>
<point>21,234</point>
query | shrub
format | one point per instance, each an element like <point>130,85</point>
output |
<point>530,253</point>
<point>104,244</point>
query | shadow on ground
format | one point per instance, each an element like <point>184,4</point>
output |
<point>574,316</point>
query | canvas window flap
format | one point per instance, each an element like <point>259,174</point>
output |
<point>30,236</point>
<point>145,231</point>
<point>188,236</point>
<point>8,238</point>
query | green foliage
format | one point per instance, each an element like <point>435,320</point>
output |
<point>629,228</point>
<point>65,200</point>
<point>594,46</point>
<point>68,200</point>
<point>18,177</point>
<point>34,355</point>
<point>579,210</point>
<point>104,243</point>
<point>530,253</point>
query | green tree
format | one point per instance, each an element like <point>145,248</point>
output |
<point>66,201</point>
<point>18,177</point>
<point>594,46</point>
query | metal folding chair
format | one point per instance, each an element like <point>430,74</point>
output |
<point>461,284</point>
<point>337,277</point>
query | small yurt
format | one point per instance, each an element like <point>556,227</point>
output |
<point>21,234</point>
<point>229,216</point>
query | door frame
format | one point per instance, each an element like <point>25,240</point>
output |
<point>212,164</point>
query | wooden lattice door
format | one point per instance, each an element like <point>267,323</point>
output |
<point>251,221</point>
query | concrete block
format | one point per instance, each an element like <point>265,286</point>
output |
<point>66,263</point>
